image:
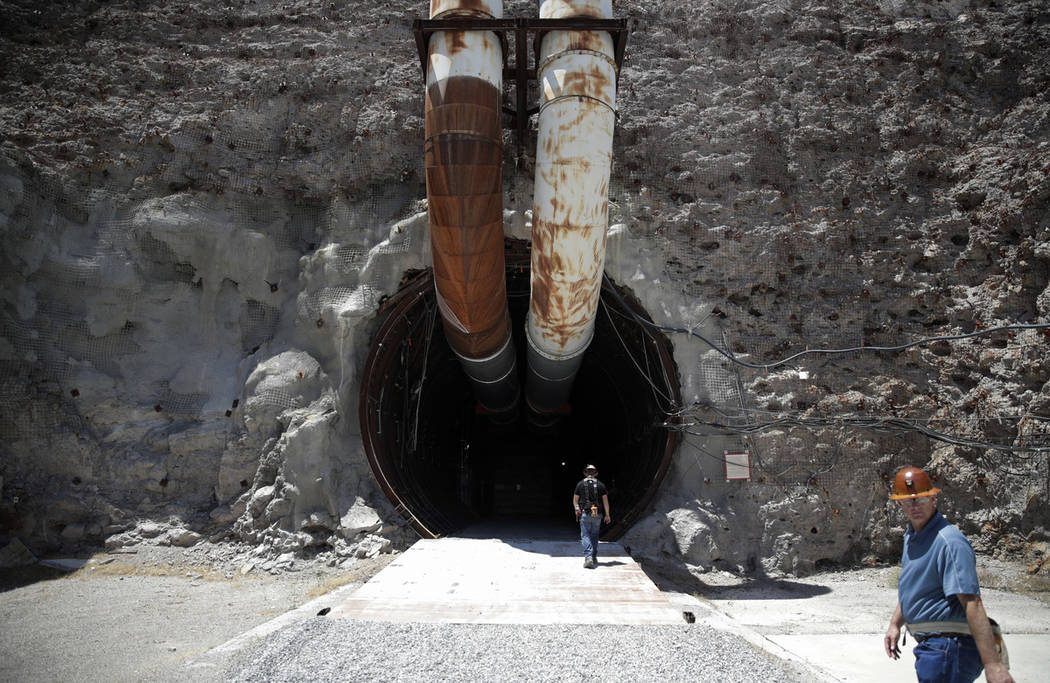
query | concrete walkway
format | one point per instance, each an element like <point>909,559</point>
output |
<point>492,581</point>
<point>832,624</point>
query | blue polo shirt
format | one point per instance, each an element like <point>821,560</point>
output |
<point>938,564</point>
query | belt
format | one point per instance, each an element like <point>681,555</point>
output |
<point>958,630</point>
<point>923,637</point>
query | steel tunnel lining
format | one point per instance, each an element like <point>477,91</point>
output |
<point>416,433</point>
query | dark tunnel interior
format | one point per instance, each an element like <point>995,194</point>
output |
<point>444,465</point>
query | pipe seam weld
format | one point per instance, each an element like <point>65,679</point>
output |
<point>463,14</point>
<point>576,51</point>
<point>498,380</point>
<point>578,98</point>
<point>487,359</point>
<point>551,380</point>
<point>534,346</point>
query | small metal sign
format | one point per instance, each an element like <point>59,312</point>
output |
<point>738,466</point>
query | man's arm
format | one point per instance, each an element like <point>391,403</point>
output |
<point>605,502</point>
<point>893,634</point>
<point>994,671</point>
<point>576,504</point>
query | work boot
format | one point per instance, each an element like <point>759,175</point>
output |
<point>588,563</point>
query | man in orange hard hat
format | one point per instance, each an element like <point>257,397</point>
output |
<point>938,596</point>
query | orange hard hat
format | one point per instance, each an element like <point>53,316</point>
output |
<point>912,482</point>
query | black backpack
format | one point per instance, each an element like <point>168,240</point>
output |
<point>590,495</point>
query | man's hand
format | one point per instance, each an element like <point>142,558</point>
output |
<point>889,642</point>
<point>893,634</point>
<point>608,519</point>
<point>997,673</point>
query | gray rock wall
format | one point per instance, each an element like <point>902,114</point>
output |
<point>202,204</point>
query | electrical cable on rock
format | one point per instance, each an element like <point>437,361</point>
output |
<point>854,349</point>
<point>884,424</point>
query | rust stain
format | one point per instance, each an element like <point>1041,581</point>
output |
<point>603,84</point>
<point>476,6</point>
<point>566,9</point>
<point>587,40</point>
<point>457,42</point>
<point>539,299</point>
<point>572,174</point>
<point>463,156</point>
<point>565,286</point>
<point>574,126</point>
<point>493,49</point>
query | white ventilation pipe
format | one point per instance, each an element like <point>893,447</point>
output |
<point>464,162</point>
<point>577,78</point>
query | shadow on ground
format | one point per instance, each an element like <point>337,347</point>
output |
<point>17,577</point>
<point>676,577</point>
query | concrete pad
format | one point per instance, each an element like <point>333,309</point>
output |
<point>836,623</point>
<point>493,581</point>
<point>858,658</point>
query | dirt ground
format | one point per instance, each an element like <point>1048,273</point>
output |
<point>146,612</point>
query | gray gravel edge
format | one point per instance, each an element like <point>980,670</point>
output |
<point>322,649</point>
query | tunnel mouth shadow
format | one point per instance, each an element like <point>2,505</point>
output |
<point>445,464</point>
<point>517,528</point>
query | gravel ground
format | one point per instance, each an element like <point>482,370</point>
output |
<point>323,649</point>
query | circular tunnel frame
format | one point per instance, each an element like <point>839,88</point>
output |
<point>397,357</point>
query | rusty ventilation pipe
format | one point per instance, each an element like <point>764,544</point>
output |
<point>464,157</point>
<point>577,77</point>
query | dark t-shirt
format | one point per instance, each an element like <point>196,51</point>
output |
<point>590,492</point>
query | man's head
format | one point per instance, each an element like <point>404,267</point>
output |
<point>590,471</point>
<point>914,492</point>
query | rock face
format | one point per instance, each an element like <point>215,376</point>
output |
<point>201,205</point>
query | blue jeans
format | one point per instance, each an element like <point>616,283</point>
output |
<point>589,528</point>
<point>948,660</point>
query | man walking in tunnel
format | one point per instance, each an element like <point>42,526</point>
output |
<point>589,495</point>
<point>939,599</point>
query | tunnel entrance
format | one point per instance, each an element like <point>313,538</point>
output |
<point>444,464</point>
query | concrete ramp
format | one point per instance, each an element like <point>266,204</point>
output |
<point>494,581</point>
